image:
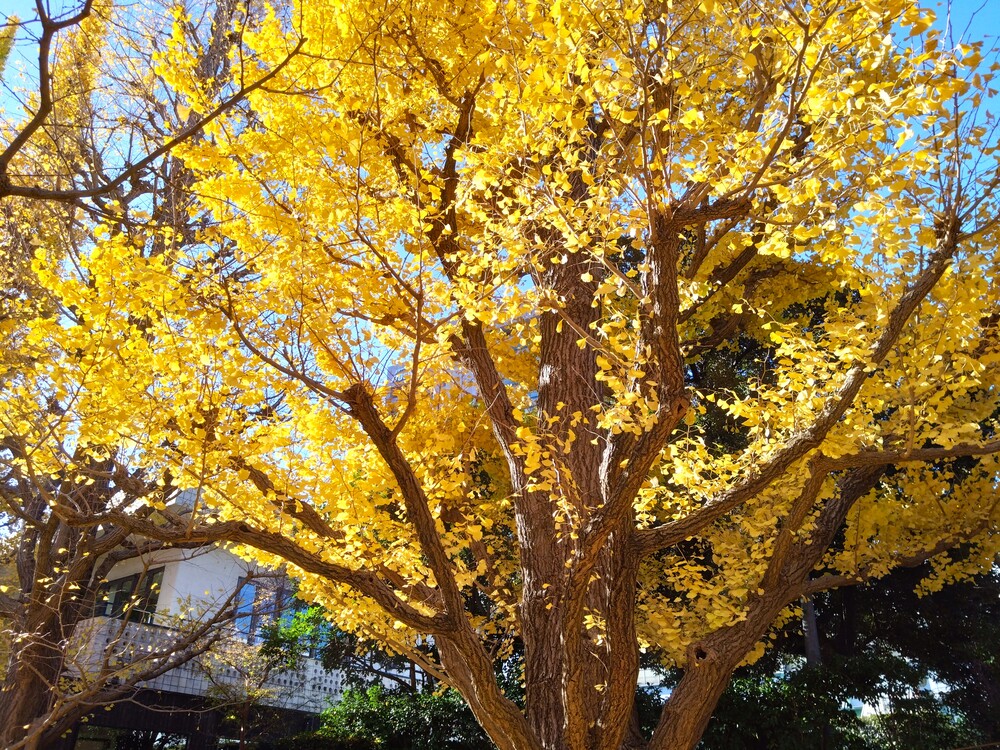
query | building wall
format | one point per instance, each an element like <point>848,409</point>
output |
<point>308,689</point>
<point>195,584</point>
<point>199,579</point>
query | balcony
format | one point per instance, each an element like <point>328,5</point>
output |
<point>122,647</point>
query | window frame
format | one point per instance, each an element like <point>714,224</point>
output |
<point>133,597</point>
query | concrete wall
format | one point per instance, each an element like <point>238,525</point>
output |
<point>195,584</point>
<point>201,578</point>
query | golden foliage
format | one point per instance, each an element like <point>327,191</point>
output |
<point>456,271</point>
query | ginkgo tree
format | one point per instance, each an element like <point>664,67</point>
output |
<point>91,150</point>
<point>437,343</point>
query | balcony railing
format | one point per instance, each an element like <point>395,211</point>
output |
<point>103,643</point>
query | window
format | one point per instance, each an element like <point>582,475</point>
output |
<point>134,596</point>
<point>264,601</point>
<point>148,595</point>
<point>258,604</point>
<point>115,595</point>
<point>246,613</point>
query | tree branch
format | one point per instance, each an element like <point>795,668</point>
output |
<point>364,581</point>
<point>812,437</point>
<point>130,171</point>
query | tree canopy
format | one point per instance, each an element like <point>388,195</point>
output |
<point>448,328</point>
<point>98,103</point>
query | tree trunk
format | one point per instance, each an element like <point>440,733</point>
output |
<point>33,670</point>
<point>578,626</point>
<point>690,706</point>
<point>810,634</point>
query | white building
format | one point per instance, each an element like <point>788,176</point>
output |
<point>148,603</point>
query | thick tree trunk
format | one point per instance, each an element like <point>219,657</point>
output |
<point>810,634</point>
<point>692,703</point>
<point>602,680</point>
<point>471,672</point>
<point>584,700</point>
<point>578,604</point>
<point>33,669</point>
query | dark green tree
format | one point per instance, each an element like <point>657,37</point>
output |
<point>405,721</point>
<point>929,663</point>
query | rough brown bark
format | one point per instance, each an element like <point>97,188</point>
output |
<point>26,693</point>
<point>471,672</point>
<point>578,543</point>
